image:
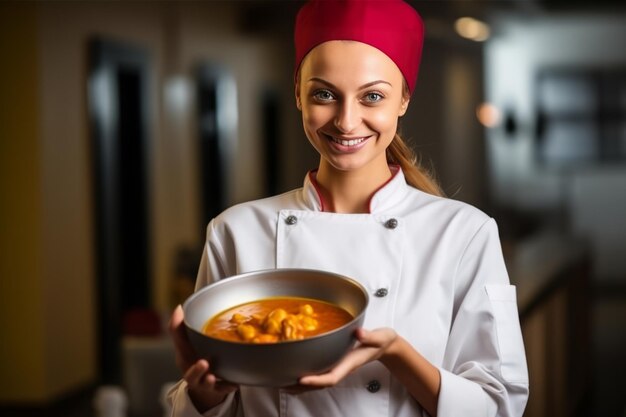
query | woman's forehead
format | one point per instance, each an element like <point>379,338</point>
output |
<point>349,60</point>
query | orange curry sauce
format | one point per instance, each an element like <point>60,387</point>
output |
<point>276,319</point>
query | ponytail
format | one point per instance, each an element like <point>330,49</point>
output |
<point>417,176</point>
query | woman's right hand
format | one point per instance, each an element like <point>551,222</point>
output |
<point>203,387</point>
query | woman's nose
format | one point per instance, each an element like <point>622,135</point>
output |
<point>348,117</point>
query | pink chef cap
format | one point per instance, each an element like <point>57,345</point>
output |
<point>392,26</point>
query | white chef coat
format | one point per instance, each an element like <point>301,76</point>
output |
<point>435,272</point>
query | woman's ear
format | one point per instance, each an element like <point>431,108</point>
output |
<point>297,94</point>
<point>404,105</point>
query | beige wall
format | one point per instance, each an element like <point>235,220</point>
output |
<point>47,239</point>
<point>69,270</point>
<point>22,350</point>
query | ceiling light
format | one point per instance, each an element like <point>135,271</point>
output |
<point>471,28</point>
<point>488,115</point>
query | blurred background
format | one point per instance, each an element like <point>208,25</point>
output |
<point>126,125</point>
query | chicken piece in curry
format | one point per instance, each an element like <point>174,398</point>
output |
<point>276,319</point>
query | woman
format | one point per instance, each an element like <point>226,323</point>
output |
<point>444,334</point>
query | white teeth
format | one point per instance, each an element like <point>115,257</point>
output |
<point>350,142</point>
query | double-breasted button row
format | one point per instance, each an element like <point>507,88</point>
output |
<point>373,386</point>
<point>391,223</point>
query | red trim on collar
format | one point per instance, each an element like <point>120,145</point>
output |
<point>312,177</point>
<point>394,171</point>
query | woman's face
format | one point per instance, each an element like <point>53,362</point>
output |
<point>350,95</point>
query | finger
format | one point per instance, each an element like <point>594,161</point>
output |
<point>377,338</point>
<point>185,355</point>
<point>318,381</point>
<point>197,374</point>
<point>176,318</point>
<point>177,325</point>
<point>351,361</point>
<point>361,335</point>
<point>203,388</point>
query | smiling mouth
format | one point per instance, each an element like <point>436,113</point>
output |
<point>347,142</point>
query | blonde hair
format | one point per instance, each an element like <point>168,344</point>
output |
<point>398,152</point>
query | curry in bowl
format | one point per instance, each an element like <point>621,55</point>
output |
<point>276,319</point>
<point>250,363</point>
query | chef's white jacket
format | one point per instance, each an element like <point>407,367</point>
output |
<point>435,272</point>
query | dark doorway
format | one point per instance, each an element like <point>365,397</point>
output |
<point>217,118</point>
<point>118,106</point>
<point>272,155</point>
<point>211,148</point>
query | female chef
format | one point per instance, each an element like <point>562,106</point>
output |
<point>443,334</point>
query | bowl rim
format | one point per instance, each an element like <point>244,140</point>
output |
<point>226,280</point>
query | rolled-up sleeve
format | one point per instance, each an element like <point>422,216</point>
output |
<point>484,370</point>
<point>462,396</point>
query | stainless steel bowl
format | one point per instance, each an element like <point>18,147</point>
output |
<point>283,363</point>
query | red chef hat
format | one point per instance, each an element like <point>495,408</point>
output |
<point>392,26</point>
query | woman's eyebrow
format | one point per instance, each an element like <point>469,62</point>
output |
<point>364,86</point>
<point>373,83</point>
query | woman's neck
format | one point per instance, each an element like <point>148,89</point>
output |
<point>349,191</point>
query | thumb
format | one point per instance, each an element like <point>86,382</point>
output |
<point>377,337</point>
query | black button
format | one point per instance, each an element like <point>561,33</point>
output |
<point>381,292</point>
<point>373,386</point>
<point>391,224</point>
<point>291,220</point>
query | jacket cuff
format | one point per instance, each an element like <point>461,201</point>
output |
<point>459,396</point>
<point>183,407</point>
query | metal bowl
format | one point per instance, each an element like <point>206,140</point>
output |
<point>283,363</point>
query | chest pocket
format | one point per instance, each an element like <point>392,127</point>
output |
<point>364,247</point>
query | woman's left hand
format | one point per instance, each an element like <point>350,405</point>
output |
<point>372,345</point>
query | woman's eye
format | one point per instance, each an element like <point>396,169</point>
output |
<point>373,97</point>
<point>323,95</point>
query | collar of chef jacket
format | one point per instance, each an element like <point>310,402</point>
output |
<point>384,198</point>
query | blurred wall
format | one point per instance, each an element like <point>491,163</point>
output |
<point>23,369</point>
<point>48,242</point>
<point>521,46</point>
